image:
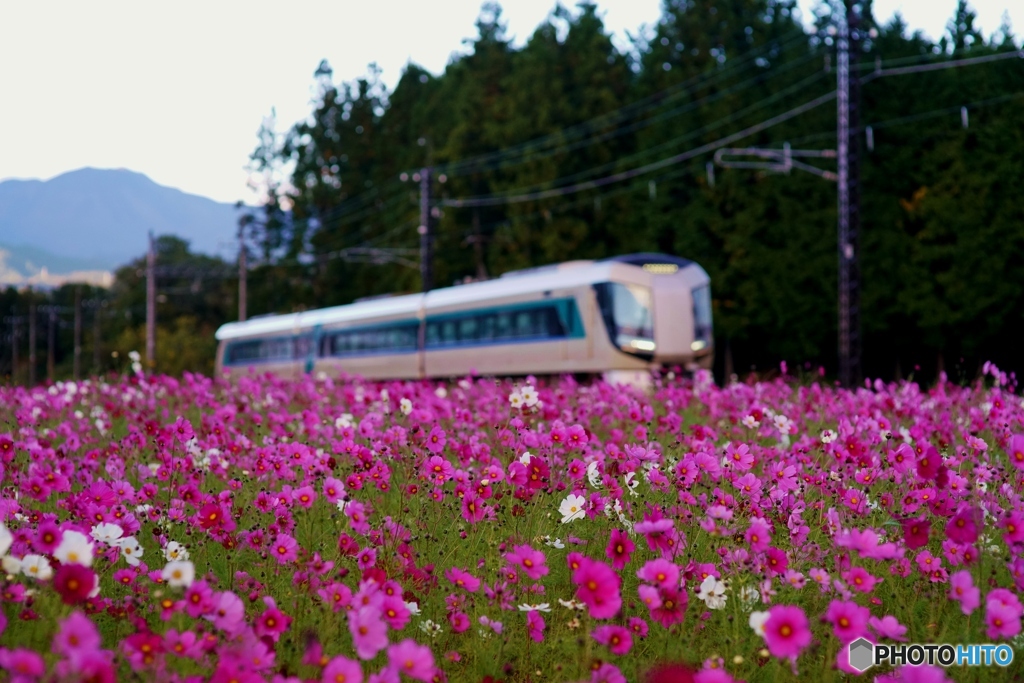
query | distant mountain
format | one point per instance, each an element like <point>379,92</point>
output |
<point>93,219</point>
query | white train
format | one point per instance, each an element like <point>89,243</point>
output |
<point>617,317</point>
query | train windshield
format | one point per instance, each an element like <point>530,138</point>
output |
<point>628,316</point>
<point>701,318</point>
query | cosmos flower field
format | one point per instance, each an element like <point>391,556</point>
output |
<point>337,530</point>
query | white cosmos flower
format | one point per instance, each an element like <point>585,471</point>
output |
<point>572,604</point>
<point>179,574</point>
<point>757,621</point>
<point>553,542</point>
<point>828,436</point>
<point>37,566</point>
<point>413,607</point>
<point>593,476</point>
<point>175,552</point>
<point>406,406</point>
<point>345,420</point>
<point>572,508</point>
<point>131,550</point>
<point>530,396</point>
<point>632,483</point>
<point>542,607</point>
<point>441,392</point>
<point>712,592</point>
<point>6,539</point>
<point>74,548</point>
<point>515,399</point>
<point>11,565</point>
<point>751,422</point>
<point>107,533</point>
<point>525,458</point>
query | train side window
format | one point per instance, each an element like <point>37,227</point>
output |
<point>468,330</point>
<point>488,327</point>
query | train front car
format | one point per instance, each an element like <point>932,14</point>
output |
<point>662,316</point>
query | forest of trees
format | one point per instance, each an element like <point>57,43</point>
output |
<point>942,223</point>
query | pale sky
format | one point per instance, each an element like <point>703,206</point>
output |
<point>177,90</point>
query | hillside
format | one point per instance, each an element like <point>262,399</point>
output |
<point>95,219</point>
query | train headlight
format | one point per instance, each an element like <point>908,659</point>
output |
<point>698,345</point>
<point>642,344</point>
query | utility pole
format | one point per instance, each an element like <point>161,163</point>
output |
<point>151,305</point>
<point>242,285</point>
<point>76,372</point>
<point>848,139</point>
<point>96,337</point>
<point>14,345</point>
<point>51,342</point>
<point>426,233</point>
<point>31,339</point>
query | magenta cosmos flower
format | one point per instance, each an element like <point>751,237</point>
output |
<point>786,631</point>
<point>532,561</point>
<point>620,548</point>
<point>342,670</point>
<point>412,659</point>
<point>598,588</point>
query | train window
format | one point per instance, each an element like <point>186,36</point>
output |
<point>468,329</point>
<point>555,320</point>
<point>398,338</point>
<point>628,316</point>
<point>701,317</point>
<point>260,351</point>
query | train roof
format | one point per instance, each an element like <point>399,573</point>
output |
<point>544,278</point>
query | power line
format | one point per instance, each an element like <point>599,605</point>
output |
<point>647,168</point>
<point>615,116</point>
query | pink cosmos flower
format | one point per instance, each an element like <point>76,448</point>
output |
<point>394,612</point>
<point>76,636</point>
<point>74,583</point>
<point>304,496</point>
<point>671,608</point>
<point>617,638</point>
<point>888,627</point>
<point>738,456</point>
<point>473,508</point>
<point>227,613</point>
<point>535,626</point>
<point>963,527</point>
<point>620,548</point>
<point>333,490</point>
<point>412,659</point>
<point>963,590</point>
<point>848,619</point>
<point>915,532</point>
<point>859,579</point>
<point>459,621</point>
<point>366,558</point>
<point>463,579</point>
<point>1015,451</point>
<point>607,673</point>
<point>598,588</point>
<point>24,666</point>
<point>758,536</point>
<point>1013,525</point>
<point>273,622</point>
<point>198,599</point>
<point>786,631</point>
<point>342,670</point>
<point>436,440</point>
<point>285,549</point>
<point>532,561</point>
<point>1003,620</point>
<point>369,631</point>
<point>660,572</point>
